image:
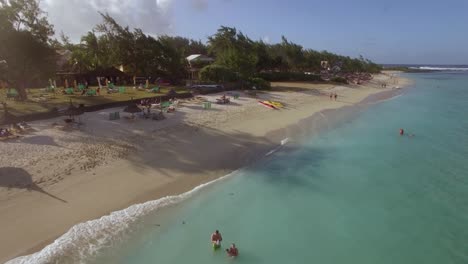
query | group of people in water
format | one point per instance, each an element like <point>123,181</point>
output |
<point>216,239</point>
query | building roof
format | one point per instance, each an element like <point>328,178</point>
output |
<point>199,57</point>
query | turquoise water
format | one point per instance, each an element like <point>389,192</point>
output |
<point>359,193</point>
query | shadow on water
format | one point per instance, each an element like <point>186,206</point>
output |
<point>283,169</point>
<point>11,177</point>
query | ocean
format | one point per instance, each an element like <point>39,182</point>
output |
<point>357,192</point>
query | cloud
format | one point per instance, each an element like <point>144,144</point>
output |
<point>76,17</point>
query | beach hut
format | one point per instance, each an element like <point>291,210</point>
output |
<point>196,62</point>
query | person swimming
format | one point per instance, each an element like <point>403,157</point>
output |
<point>402,132</point>
<point>232,251</point>
<point>216,239</point>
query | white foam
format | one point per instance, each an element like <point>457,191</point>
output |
<point>440,68</point>
<point>384,100</point>
<point>85,239</point>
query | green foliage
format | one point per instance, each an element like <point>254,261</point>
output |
<point>398,68</point>
<point>27,47</point>
<point>24,34</point>
<point>289,76</point>
<point>234,50</point>
<point>217,73</point>
<point>26,15</point>
<point>259,83</point>
<point>339,80</point>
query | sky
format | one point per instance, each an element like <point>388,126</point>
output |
<point>385,31</point>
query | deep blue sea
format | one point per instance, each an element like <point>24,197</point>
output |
<point>355,193</point>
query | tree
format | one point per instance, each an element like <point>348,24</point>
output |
<point>234,50</point>
<point>217,73</point>
<point>25,36</point>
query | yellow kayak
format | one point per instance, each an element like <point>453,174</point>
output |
<point>275,104</point>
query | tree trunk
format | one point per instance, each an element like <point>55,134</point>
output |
<point>22,94</point>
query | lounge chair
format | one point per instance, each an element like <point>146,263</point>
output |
<point>81,87</point>
<point>12,93</point>
<point>91,92</point>
<point>165,106</point>
<point>69,91</point>
<point>155,90</point>
<point>121,89</point>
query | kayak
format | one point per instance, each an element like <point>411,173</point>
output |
<point>275,104</point>
<point>266,104</point>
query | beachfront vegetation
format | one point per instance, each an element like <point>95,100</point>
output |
<point>217,73</point>
<point>25,43</point>
<point>30,51</point>
<point>259,83</point>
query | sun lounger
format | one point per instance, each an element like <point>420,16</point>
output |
<point>81,87</point>
<point>69,91</point>
<point>165,106</point>
<point>155,90</point>
<point>121,89</point>
<point>12,93</point>
<point>91,92</point>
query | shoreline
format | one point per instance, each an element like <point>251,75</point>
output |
<point>246,142</point>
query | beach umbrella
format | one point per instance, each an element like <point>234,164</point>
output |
<point>132,108</point>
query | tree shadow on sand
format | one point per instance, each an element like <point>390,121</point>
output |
<point>38,140</point>
<point>11,177</point>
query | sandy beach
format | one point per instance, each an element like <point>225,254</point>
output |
<point>53,178</point>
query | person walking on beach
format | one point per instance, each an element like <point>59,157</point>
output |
<point>331,96</point>
<point>336,96</point>
<point>216,239</point>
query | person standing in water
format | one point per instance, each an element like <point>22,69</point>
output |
<point>216,239</point>
<point>232,251</point>
<point>402,132</point>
